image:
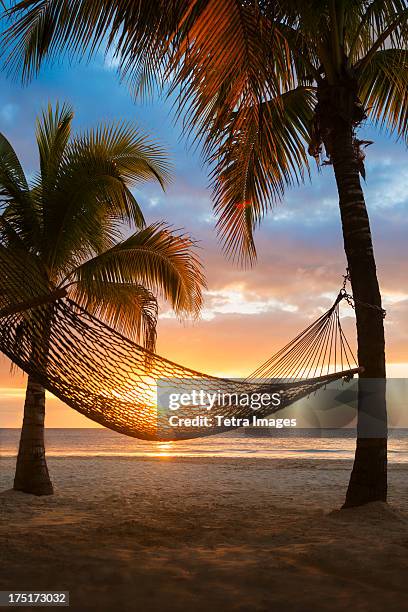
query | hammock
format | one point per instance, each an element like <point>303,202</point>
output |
<point>119,384</point>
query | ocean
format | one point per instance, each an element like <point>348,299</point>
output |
<point>311,444</point>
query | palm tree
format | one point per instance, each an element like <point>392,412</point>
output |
<point>66,230</point>
<point>262,84</point>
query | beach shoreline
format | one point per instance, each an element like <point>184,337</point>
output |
<point>170,534</point>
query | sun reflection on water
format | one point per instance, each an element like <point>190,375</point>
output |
<point>164,449</point>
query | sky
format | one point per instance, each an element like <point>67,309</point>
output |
<point>248,314</point>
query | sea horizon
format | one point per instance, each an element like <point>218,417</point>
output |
<point>242,443</point>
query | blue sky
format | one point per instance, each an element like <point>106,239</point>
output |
<point>248,314</point>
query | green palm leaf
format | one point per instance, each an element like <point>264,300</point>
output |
<point>92,193</point>
<point>49,26</point>
<point>15,196</point>
<point>66,230</point>
<point>384,90</point>
<point>131,309</point>
<point>264,149</point>
<point>156,258</point>
<point>53,132</point>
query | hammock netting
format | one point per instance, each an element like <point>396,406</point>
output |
<point>119,384</point>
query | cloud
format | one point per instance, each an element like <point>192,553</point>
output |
<point>8,112</point>
<point>237,300</point>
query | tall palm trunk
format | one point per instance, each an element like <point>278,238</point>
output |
<point>368,480</point>
<point>31,469</point>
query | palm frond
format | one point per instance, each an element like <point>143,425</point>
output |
<point>383,26</point>
<point>155,257</point>
<point>52,133</point>
<point>263,150</point>
<point>130,309</point>
<point>10,167</point>
<point>365,21</point>
<point>92,192</point>
<point>135,155</point>
<point>41,29</point>
<point>15,197</point>
<point>384,91</point>
<point>227,55</point>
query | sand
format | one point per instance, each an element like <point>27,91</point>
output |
<point>206,534</point>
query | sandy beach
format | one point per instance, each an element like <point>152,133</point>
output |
<point>206,534</point>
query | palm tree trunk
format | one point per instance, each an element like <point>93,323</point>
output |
<point>368,480</point>
<point>31,469</point>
